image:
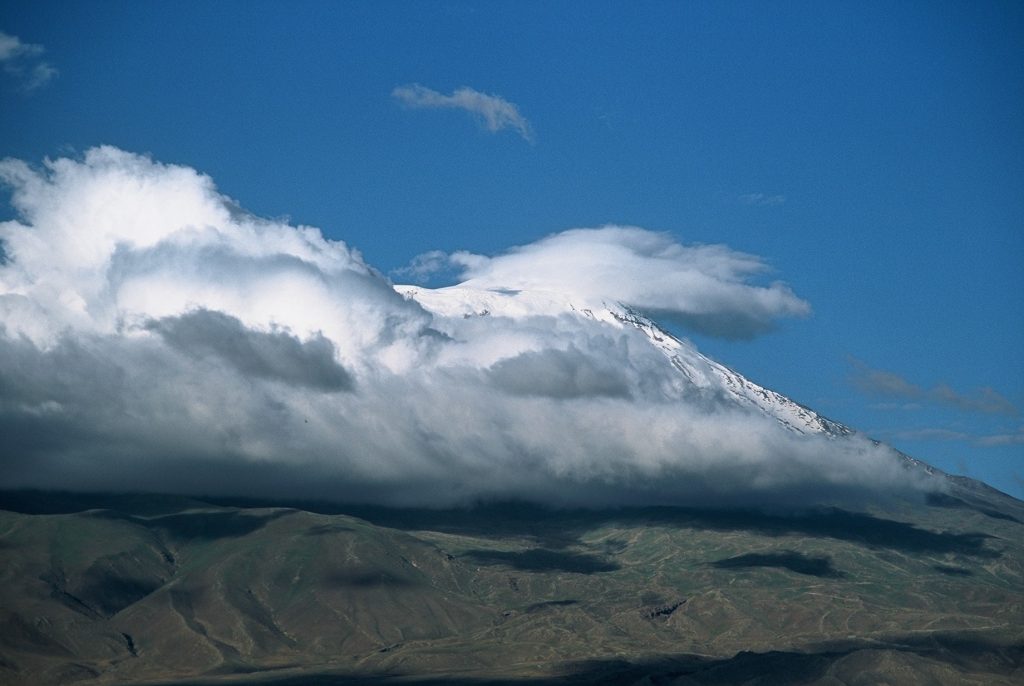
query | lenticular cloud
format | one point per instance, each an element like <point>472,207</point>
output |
<point>705,287</point>
<point>154,336</point>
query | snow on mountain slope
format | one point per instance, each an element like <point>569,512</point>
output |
<point>693,372</point>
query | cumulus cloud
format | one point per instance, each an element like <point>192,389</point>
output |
<point>23,62</point>
<point>266,355</point>
<point>157,337</point>
<point>116,240</point>
<point>492,111</point>
<point>557,373</point>
<point>888,384</point>
<point>705,287</point>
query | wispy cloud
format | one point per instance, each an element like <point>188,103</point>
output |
<point>938,434</point>
<point>929,434</point>
<point>762,199</point>
<point>425,265</point>
<point>1013,438</point>
<point>884,383</point>
<point>23,62</point>
<point>492,111</point>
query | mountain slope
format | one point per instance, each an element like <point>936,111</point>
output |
<point>118,589</point>
<point>694,371</point>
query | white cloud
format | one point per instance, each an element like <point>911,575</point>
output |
<point>950,435</point>
<point>1015,438</point>
<point>118,239</point>
<point>425,265</point>
<point>23,62</point>
<point>12,47</point>
<point>493,111</point>
<point>155,337</point>
<point>705,287</point>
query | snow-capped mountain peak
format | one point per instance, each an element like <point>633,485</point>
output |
<point>690,372</point>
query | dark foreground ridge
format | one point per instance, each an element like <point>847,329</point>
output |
<point>840,664</point>
<point>122,588</point>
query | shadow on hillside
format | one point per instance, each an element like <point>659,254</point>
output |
<point>900,658</point>
<point>952,571</point>
<point>200,525</point>
<point>328,530</point>
<point>109,593</point>
<point>64,502</point>
<point>789,559</point>
<point>548,604</point>
<point>542,560</point>
<point>948,501</point>
<point>854,527</point>
<point>212,525</point>
<point>547,528</point>
<point>561,528</point>
<point>365,578</point>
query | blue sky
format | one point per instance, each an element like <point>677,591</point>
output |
<point>871,153</point>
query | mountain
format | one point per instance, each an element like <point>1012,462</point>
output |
<point>696,373</point>
<point>157,589</point>
<point>120,588</point>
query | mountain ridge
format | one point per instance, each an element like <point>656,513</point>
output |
<point>111,589</point>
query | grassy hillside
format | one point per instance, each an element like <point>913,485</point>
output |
<point>145,589</point>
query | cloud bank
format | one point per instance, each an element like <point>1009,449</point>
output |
<point>154,336</point>
<point>492,111</point>
<point>23,62</point>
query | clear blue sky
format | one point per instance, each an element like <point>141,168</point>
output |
<point>872,153</point>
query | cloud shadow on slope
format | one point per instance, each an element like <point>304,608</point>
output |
<point>542,560</point>
<point>548,528</point>
<point>185,526</point>
<point>952,502</point>
<point>365,578</point>
<point>788,559</point>
<point>559,529</point>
